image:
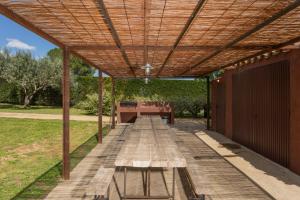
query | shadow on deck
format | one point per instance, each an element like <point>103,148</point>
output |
<point>211,173</point>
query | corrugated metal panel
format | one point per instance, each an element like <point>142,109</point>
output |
<point>261,110</point>
<point>220,107</point>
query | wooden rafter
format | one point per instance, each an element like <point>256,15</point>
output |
<point>184,30</point>
<point>276,16</point>
<point>114,33</point>
<point>171,33</point>
<point>147,4</point>
<point>164,48</point>
<point>20,20</point>
<point>290,42</point>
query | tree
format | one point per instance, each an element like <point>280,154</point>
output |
<point>30,75</point>
<point>77,65</point>
<point>4,60</point>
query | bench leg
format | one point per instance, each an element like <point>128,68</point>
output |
<point>98,197</point>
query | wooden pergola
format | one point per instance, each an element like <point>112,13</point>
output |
<point>189,38</point>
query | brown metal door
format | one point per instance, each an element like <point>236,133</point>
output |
<point>220,107</point>
<point>261,110</point>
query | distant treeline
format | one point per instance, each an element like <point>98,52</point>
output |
<point>187,96</point>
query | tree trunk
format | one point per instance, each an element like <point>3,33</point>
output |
<point>27,100</point>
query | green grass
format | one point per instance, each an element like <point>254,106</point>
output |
<point>28,148</point>
<point>38,109</point>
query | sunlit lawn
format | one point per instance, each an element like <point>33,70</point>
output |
<point>30,147</point>
<point>38,109</point>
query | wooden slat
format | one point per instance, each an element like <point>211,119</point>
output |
<point>211,174</point>
<point>101,181</point>
<point>150,144</point>
<point>119,36</point>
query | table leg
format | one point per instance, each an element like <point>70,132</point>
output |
<point>117,188</point>
<point>173,185</point>
<point>125,175</point>
<point>165,182</point>
<point>148,181</point>
<point>144,181</point>
<point>108,192</point>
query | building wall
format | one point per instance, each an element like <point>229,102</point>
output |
<point>261,110</point>
<point>293,104</point>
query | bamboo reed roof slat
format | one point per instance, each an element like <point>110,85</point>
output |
<point>178,38</point>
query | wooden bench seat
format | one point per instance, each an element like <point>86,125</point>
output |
<point>99,185</point>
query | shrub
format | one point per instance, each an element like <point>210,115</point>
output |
<point>91,103</point>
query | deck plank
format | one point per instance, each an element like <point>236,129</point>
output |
<point>213,175</point>
<point>83,173</point>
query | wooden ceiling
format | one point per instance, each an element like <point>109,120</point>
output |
<point>178,38</point>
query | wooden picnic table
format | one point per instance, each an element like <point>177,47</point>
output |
<point>149,145</point>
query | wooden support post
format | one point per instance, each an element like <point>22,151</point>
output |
<point>66,114</point>
<point>208,103</point>
<point>100,99</point>
<point>113,106</point>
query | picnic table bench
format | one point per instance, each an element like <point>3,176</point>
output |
<point>99,186</point>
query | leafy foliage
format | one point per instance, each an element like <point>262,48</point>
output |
<point>91,103</point>
<point>29,75</point>
<point>187,97</point>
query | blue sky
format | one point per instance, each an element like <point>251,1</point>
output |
<point>14,37</point>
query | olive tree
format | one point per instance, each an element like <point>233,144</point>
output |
<point>31,75</point>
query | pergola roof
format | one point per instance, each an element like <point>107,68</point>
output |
<point>178,38</point>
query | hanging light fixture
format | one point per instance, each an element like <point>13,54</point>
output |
<point>147,69</point>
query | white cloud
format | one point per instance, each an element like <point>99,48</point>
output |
<point>15,43</point>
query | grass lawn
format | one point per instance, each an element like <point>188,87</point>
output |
<point>38,109</point>
<point>29,147</point>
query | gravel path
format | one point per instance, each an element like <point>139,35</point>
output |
<point>106,119</point>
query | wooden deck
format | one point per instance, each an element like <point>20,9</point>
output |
<point>211,174</point>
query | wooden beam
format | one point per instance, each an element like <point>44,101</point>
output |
<point>20,20</point>
<point>100,99</point>
<point>274,47</point>
<point>279,46</point>
<point>103,11</point>
<point>271,19</point>
<point>161,77</point>
<point>147,4</point>
<point>164,48</point>
<point>89,62</point>
<point>185,29</point>
<point>66,113</point>
<point>113,104</point>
